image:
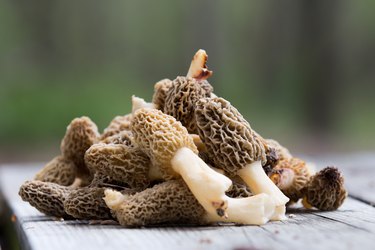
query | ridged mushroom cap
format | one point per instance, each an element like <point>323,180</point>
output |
<point>80,135</point>
<point>59,170</point>
<point>281,151</point>
<point>47,197</point>
<point>229,139</point>
<point>160,93</point>
<point>123,137</point>
<point>168,202</point>
<point>87,203</point>
<point>297,170</point>
<point>118,124</point>
<point>238,190</point>
<point>160,136</point>
<point>181,98</point>
<point>126,164</point>
<point>326,189</point>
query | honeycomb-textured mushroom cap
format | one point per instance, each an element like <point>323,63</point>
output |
<point>118,124</point>
<point>281,151</point>
<point>126,164</point>
<point>123,137</point>
<point>168,202</point>
<point>160,93</point>
<point>326,190</point>
<point>230,141</point>
<point>59,170</point>
<point>181,98</point>
<point>47,197</point>
<point>238,190</point>
<point>87,203</point>
<point>80,135</point>
<point>291,176</point>
<point>160,136</point>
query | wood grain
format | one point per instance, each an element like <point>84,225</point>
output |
<point>351,227</point>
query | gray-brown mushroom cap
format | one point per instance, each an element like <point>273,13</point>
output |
<point>181,98</point>
<point>118,124</point>
<point>326,190</point>
<point>160,92</point>
<point>160,136</point>
<point>230,141</point>
<point>47,197</point>
<point>59,170</point>
<point>80,135</point>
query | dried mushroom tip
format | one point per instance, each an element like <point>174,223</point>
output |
<point>326,190</point>
<point>198,68</point>
<point>87,203</point>
<point>59,170</point>
<point>181,99</point>
<point>126,164</point>
<point>47,197</point>
<point>80,135</point>
<point>233,146</point>
<point>160,93</point>
<point>139,103</point>
<point>291,176</point>
<point>117,125</point>
<point>173,202</point>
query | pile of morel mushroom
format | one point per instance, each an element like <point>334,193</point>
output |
<point>189,157</point>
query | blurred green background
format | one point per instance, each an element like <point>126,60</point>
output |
<point>302,72</point>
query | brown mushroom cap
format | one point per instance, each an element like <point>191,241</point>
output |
<point>126,164</point>
<point>230,141</point>
<point>123,137</point>
<point>80,135</point>
<point>47,197</point>
<point>326,190</point>
<point>299,173</point>
<point>59,170</point>
<point>160,93</point>
<point>118,124</point>
<point>181,98</point>
<point>282,152</point>
<point>168,202</point>
<point>238,190</point>
<point>87,203</point>
<point>160,136</point>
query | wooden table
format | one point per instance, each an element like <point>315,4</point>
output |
<point>351,227</point>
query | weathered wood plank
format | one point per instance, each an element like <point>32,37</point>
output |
<point>352,227</point>
<point>359,172</point>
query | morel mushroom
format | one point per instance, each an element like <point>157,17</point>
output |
<point>160,93</point>
<point>172,202</point>
<point>118,124</point>
<point>291,176</point>
<point>47,197</point>
<point>233,146</point>
<point>69,167</point>
<point>325,190</point>
<point>170,148</point>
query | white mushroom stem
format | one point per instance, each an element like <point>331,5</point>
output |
<point>258,182</point>
<point>198,68</point>
<point>255,210</point>
<point>139,103</point>
<point>206,184</point>
<point>113,198</point>
<point>209,186</point>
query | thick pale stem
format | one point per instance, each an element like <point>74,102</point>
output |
<point>206,184</point>
<point>255,210</point>
<point>113,198</point>
<point>198,68</point>
<point>258,182</point>
<point>138,103</point>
